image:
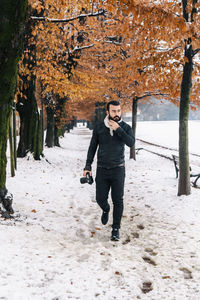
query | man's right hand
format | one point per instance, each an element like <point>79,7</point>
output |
<point>87,171</point>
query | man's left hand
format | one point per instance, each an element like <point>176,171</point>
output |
<point>114,125</point>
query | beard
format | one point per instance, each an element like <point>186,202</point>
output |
<point>116,118</point>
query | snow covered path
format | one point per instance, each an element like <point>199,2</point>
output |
<point>57,248</point>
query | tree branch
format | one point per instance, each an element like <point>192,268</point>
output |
<point>114,43</point>
<point>82,48</point>
<point>150,94</point>
<point>95,14</point>
<point>194,10</point>
<point>195,52</point>
<point>185,10</point>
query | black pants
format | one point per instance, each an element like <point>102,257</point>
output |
<point>114,179</point>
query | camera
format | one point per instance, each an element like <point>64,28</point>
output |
<point>87,179</point>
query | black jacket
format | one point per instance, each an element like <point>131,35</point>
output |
<point>111,148</point>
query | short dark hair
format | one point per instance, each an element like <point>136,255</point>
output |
<point>116,103</point>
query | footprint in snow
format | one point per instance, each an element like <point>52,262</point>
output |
<point>150,251</point>
<point>127,240</point>
<point>140,226</point>
<point>80,233</point>
<point>149,260</point>
<point>135,235</point>
<point>83,258</point>
<point>186,273</point>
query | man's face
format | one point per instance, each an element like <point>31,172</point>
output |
<point>114,112</point>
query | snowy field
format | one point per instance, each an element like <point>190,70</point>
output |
<point>166,134</point>
<point>56,247</point>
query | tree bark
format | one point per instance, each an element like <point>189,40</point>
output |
<point>37,137</point>
<point>30,123</point>
<point>14,135</point>
<point>100,112</point>
<point>186,86</point>
<point>28,112</point>
<point>25,129</point>
<point>5,110</point>
<point>42,125</point>
<point>12,18</point>
<point>56,137</point>
<point>49,141</point>
<point>12,159</point>
<point>134,123</point>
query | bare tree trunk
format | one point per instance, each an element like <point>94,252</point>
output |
<point>37,138</point>
<point>49,141</point>
<point>100,112</point>
<point>56,137</point>
<point>134,123</point>
<point>186,85</point>
<point>12,17</point>
<point>14,135</point>
<point>28,112</point>
<point>4,127</point>
<point>12,159</point>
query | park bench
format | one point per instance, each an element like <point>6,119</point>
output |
<point>176,165</point>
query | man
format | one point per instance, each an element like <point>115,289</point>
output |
<point>110,136</point>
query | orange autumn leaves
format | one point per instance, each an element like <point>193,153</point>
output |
<point>137,47</point>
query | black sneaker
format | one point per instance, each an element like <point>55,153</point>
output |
<point>104,217</point>
<point>115,234</point>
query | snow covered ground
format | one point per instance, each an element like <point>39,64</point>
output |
<point>166,134</point>
<point>56,247</point>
